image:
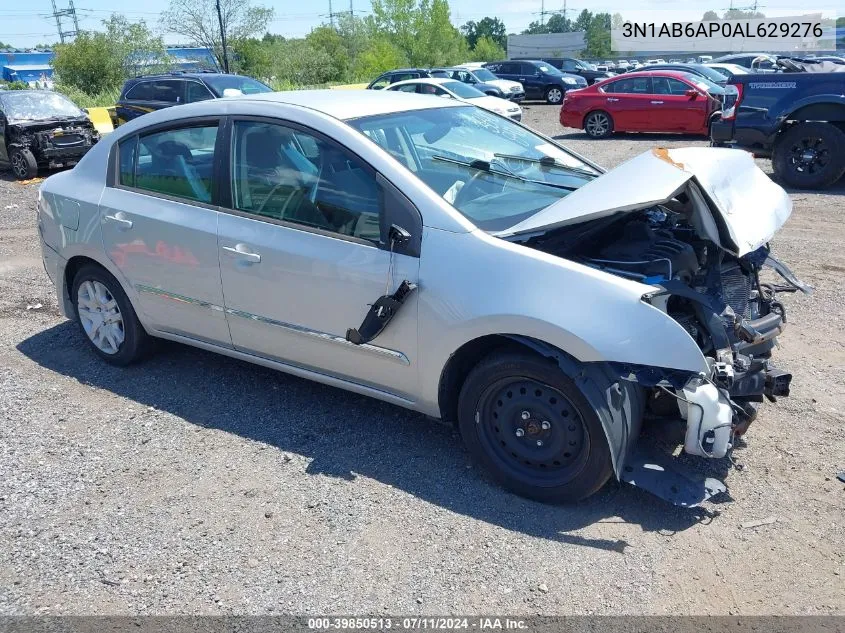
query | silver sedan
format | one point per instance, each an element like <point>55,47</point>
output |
<point>442,258</point>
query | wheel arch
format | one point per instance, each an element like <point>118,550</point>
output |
<point>619,403</point>
<point>73,265</point>
<point>823,112</point>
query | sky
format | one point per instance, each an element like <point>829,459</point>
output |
<point>24,24</point>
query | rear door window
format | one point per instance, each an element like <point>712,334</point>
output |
<point>632,85</point>
<point>168,91</point>
<point>177,162</point>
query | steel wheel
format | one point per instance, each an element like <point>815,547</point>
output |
<point>597,124</point>
<point>554,95</point>
<point>533,431</point>
<point>100,316</point>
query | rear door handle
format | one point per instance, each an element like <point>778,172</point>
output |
<point>241,252</point>
<point>609,99</point>
<point>121,219</point>
<point>657,102</point>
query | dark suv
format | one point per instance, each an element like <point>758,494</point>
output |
<point>401,74</point>
<point>578,67</point>
<point>154,92</point>
<point>539,79</point>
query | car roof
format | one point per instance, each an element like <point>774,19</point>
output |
<point>436,81</point>
<point>179,75</point>
<point>677,74</point>
<point>350,104</point>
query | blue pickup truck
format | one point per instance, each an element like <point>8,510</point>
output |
<point>796,118</point>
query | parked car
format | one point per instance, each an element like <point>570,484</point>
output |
<point>266,228</point>
<point>485,81</point>
<point>648,101</point>
<point>539,79</point>
<point>575,66</point>
<point>42,129</point>
<point>460,91</point>
<point>154,92</point>
<point>796,118</point>
<point>401,74</point>
<point>764,61</point>
<point>728,70</point>
<point>695,69</point>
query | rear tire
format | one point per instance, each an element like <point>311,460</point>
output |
<point>531,427</point>
<point>106,317</point>
<point>23,163</point>
<point>810,155</point>
<point>598,124</point>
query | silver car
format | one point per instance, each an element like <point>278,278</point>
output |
<point>442,258</point>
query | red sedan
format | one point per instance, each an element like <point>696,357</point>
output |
<point>652,101</point>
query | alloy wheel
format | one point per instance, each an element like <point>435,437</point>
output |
<point>809,155</point>
<point>19,166</point>
<point>597,124</point>
<point>100,316</point>
<point>554,95</point>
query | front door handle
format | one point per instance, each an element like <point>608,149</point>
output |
<point>657,102</point>
<point>241,252</point>
<point>121,219</point>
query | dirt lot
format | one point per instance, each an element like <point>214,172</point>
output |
<point>198,484</point>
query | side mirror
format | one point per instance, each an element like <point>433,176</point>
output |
<point>692,93</point>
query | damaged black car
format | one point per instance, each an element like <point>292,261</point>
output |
<point>40,129</point>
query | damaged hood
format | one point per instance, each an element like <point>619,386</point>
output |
<point>737,206</point>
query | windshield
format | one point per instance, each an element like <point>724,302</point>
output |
<point>493,171</point>
<point>464,91</point>
<point>246,85</point>
<point>37,106</point>
<point>483,74</point>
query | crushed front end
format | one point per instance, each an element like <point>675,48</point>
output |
<point>54,143</point>
<point>726,307</point>
<point>695,233</point>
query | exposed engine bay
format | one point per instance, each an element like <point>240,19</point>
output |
<point>718,298</point>
<point>53,143</point>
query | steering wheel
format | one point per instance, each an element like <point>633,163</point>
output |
<point>463,195</point>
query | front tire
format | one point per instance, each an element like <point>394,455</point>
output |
<point>24,165</point>
<point>598,124</point>
<point>531,427</point>
<point>554,95</point>
<point>106,317</point>
<point>810,155</point>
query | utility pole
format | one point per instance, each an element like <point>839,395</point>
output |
<point>331,14</point>
<point>351,9</point>
<point>542,12</point>
<point>223,38</point>
<point>69,12</point>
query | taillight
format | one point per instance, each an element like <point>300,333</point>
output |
<point>729,114</point>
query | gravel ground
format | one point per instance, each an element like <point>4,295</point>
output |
<point>198,484</point>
